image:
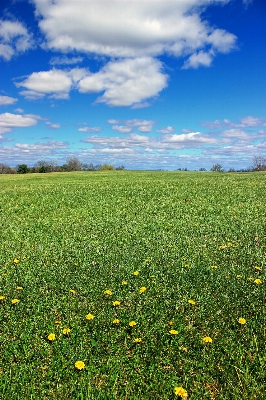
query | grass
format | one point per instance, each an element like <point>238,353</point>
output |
<point>66,238</point>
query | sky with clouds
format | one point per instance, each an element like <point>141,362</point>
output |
<point>150,84</point>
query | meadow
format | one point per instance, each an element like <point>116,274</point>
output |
<point>132,285</point>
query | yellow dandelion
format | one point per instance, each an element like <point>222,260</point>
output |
<point>142,289</point>
<point>2,297</point>
<point>227,277</point>
<point>229,244</point>
<point>116,321</point>
<point>192,302</point>
<point>116,303</point>
<point>79,365</point>
<point>250,279</point>
<point>258,281</point>
<point>15,301</point>
<point>66,331</point>
<point>179,391</point>
<point>138,340</point>
<point>89,317</point>
<point>72,291</point>
<point>124,282</point>
<point>258,268</point>
<point>183,348</point>
<point>132,323</point>
<point>242,321</point>
<point>222,247</point>
<point>16,261</point>
<point>57,322</point>
<point>207,339</point>
<point>239,276</point>
<point>214,266</point>
<point>187,266</point>
<point>171,323</point>
<point>136,273</point>
<point>4,274</point>
<point>108,292</point>
<point>173,332</point>
<point>51,337</point>
<point>19,288</point>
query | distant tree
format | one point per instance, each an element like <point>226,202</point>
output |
<point>259,163</point>
<point>202,169</point>
<point>5,169</point>
<point>231,170</point>
<point>217,168</point>
<point>121,168</point>
<point>106,167</point>
<point>22,169</point>
<point>73,164</point>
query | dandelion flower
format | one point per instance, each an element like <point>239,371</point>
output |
<point>79,365</point>
<point>227,277</point>
<point>16,261</point>
<point>116,303</point>
<point>124,282</point>
<point>179,391</point>
<point>15,301</point>
<point>142,289</point>
<point>136,273</point>
<point>207,339</point>
<point>187,266</point>
<point>51,337</point>
<point>72,291</point>
<point>214,266</point>
<point>183,348</point>
<point>116,321</point>
<point>258,268</point>
<point>19,288</point>
<point>89,317</point>
<point>2,297</point>
<point>250,279</point>
<point>258,281</point>
<point>242,321</point>
<point>138,340</point>
<point>108,292</point>
<point>66,331</point>
<point>132,323</point>
<point>173,332</point>
<point>171,323</point>
<point>192,302</point>
<point>239,276</point>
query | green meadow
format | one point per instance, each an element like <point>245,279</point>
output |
<point>132,285</point>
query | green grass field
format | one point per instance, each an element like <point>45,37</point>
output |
<point>184,271</point>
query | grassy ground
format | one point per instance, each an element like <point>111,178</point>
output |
<point>194,243</point>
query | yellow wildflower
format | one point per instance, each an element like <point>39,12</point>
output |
<point>15,301</point>
<point>132,323</point>
<point>179,391</point>
<point>138,340</point>
<point>171,323</point>
<point>136,273</point>
<point>108,292</point>
<point>2,297</point>
<point>72,291</point>
<point>192,302</point>
<point>187,266</point>
<point>116,321</point>
<point>79,365</point>
<point>89,317</point>
<point>116,303</point>
<point>173,332</point>
<point>66,331</point>
<point>258,281</point>
<point>183,348</point>
<point>124,282</point>
<point>51,337</point>
<point>16,261</point>
<point>214,266</point>
<point>142,289</point>
<point>227,276</point>
<point>242,321</point>
<point>258,268</point>
<point>239,276</point>
<point>19,288</point>
<point>207,339</point>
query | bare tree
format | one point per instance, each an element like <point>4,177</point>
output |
<point>259,163</point>
<point>73,164</point>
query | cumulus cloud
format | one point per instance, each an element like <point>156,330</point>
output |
<point>53,126</point>
<point>119,28</point>
<point>167,130</point>
<point>246,122</point>
<point>6,100</point>
<point>64,60</point>
<point>14,39</point>
<point>55,83</point>
<point>198,60</point>
<point>126,82</point>
<point>129,125</point>
<point>88,129</point>
<point>8,120</point>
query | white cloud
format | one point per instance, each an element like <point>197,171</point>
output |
<point>55,83</point>
<point>126,82</point>
<point>246,122</point>
<point>53,126</point>
<point>122,129</point>
<point>88,129</point>
<point>119,28</point>
<point>64,60</point>
<point>6,100</point>
<point>14,39</point>
<point>143,125</point>
<point>198,60</point>
<point>167,130</point>
<point>8,120</point>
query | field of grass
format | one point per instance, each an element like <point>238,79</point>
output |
<point>84,255</point>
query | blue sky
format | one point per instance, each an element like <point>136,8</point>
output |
<point>148,84</point>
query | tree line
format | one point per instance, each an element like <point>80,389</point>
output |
<point>73,164</point>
